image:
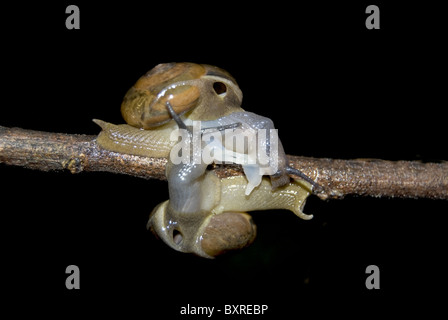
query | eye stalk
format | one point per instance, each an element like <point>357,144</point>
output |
<point>316,187</point>
<point>175,116</point>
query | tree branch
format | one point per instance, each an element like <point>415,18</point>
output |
<point>368,177</point>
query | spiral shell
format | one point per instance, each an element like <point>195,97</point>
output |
<point>186,86</point>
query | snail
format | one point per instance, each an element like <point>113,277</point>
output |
<point>205,104</point>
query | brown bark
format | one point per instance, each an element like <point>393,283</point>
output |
<point>367,177</point>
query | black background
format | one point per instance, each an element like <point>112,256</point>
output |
<point>333,88</point>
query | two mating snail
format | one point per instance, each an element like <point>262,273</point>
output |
<point>192,115</point>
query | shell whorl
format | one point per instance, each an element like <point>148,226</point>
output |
<point>189,87</point>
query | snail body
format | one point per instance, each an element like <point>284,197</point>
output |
<point>124,138</point>
<point>160,142</point>
<point>194,94</point>
<point>184,231</point>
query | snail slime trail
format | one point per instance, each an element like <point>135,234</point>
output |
<point>201,104</point>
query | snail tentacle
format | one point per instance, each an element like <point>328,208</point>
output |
<point>175,117</point>
<point>315,186</point>
<point>223,127</point>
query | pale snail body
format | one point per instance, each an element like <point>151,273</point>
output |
<point>158,143</point>
<point>210,95</point>
<point>124,138</point>
<point>184,232</point>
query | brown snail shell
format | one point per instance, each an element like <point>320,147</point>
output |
<point>228,231</point>
<point>186,86</point>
